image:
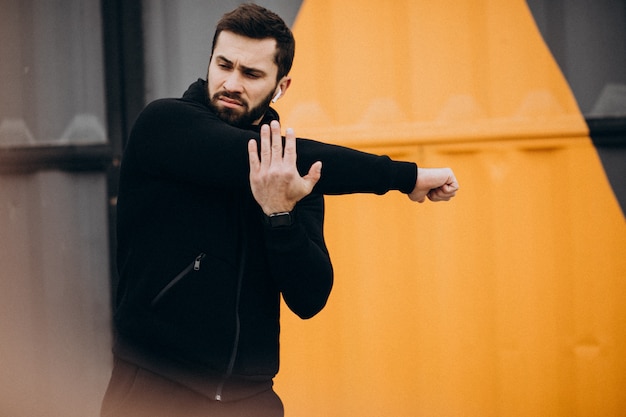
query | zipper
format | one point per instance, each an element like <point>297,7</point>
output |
<point>243,235</point>
<point>195,265</point>
<point>233,353</point>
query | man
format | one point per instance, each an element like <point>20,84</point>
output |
<point>217,219</point>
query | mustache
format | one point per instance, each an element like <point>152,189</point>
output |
<point>231,96</point>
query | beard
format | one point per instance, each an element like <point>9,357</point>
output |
<point>234,117</point>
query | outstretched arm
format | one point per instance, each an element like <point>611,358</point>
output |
<point>277,186</point>
<point>187,142</point>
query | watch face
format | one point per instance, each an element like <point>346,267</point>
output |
<point>280,219</point>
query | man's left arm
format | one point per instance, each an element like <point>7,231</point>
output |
<point>297,253</point>
<point>298,258</point>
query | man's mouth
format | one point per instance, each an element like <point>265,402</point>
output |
<point>230,102</point>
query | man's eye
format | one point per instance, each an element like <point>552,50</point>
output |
<point>252,75</point>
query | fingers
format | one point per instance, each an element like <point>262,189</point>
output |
<point>277,141</point>
<point>451,185</point>
<point>272,143</point>
<point>273,151</point>
<point>443,193</point>
<point>266,150</point>
<point>290,156</point>
<point>253,156</point>
<point>290,147</point>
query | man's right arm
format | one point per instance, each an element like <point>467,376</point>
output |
<point>189,143</point>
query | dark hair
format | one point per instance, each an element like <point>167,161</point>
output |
<point>256,22</point>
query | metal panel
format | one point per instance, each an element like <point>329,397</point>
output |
<point>507,300</point>
<point>54,248</point>
<point>52,73</point>
<point>54,294</point>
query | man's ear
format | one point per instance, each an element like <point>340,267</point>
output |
<point>284,84</point>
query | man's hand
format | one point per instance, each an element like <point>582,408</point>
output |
<point>438,184</point>
<point>274,179</point>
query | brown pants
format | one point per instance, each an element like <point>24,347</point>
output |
<point>136,392</point>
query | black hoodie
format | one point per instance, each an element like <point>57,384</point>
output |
<point>201,273</point>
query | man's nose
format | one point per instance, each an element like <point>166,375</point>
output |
<point>233,82</point>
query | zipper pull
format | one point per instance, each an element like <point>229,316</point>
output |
<point>196,264</point>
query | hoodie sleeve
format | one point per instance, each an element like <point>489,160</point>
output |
<point>184,140</point>
<point>299,260</point>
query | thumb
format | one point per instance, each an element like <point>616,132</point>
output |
<point>315,173</point>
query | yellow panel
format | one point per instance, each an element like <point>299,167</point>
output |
<point>396,71</point>
<point>507,301</point>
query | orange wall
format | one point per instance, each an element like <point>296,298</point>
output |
<point>507,301</point>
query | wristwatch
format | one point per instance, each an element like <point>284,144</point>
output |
<point>282,219</point>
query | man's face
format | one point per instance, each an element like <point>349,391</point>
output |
<point>242,78</point>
